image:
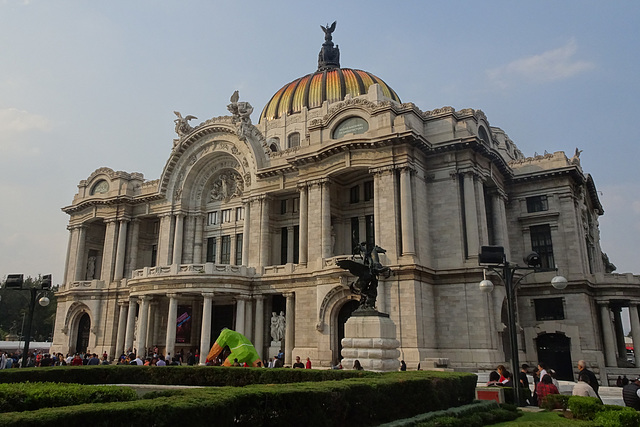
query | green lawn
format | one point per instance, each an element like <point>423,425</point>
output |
<point>535,419</point>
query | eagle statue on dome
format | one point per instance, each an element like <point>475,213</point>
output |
<point>328,30</point>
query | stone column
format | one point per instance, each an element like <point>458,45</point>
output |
<point>258,339</point>
<point>325,212</point>
<point>289,333</point>
<point>471,215</point>
<point>245,232</point>
<point>120,249</point>
<point>406,212</point>
<point>290,244</point>
<point>151,324</point>
<point>496,219</point>
<point>483,231</point>
<point>607,335</point>
<point>503,224</point>
<point>382,296</point>
<point>133,250</point>
<point>131,325</point>
<point>248,319</point>
<point>199,240</point>
<point>171,325</point>
<point>240,301</point>
<point>205,331</point>
<point>232,249</point>
<point>164,240</point>
<point>142,327</point>
<point>635,330</point>
<point>108,251</point>
<point>177,240</point>
<point>122,328</point>
<point>81,256</point>
<point>619,334</point>
<point>265,250</point>
<point>65,276</point>
<point>304,221</point>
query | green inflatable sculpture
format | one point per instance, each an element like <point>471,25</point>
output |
<point>240,346</point>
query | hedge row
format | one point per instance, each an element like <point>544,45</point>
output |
<point>590,408</point>
<point>355,402</point>
<point>32,396</point>
<point>175,375</point>
<point>484,412</point>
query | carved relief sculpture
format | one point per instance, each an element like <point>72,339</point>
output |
<point>241,115</point>
<point>226,187</point>
<point>182,126</point>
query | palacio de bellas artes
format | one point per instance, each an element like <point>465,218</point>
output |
<point>247,223</point>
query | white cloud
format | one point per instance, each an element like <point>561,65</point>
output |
<point>552,65</point>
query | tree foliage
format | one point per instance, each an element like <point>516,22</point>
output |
<point>14,308</point>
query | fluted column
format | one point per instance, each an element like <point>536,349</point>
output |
<point>245,232</point>
<point>205,331</point>
<point>122,328</point>
<point>496,219</point>
<point>406,212</point>
<point>120,249</point>
<point>248,319</point>
<point>171,325</point>
<point>607,335</point>
<point>199,240</point>
<point>325,211</point>
<point>131,325</point>
<point>382,297</point>
<point>289,328</point>
<point>164,239</point>
<point>290,244</point>
<point>142,327</point>
<point>483,231</point>
<point>304,222</point>
<point>258,339</point>
<point>133,250</point>
<point>232,249</point>
<point>635,329</point>
<point>177,240</point>
<point>108,251</point>
<point>264,233</point>
<point>151,324</point>
<point>65,276</point>
<point>471,215</point>
<point>619,334</point>
<point>80,253</point>
<point>240,308</point>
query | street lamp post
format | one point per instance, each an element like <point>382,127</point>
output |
<point>494,256</point>
<point>15,281</point>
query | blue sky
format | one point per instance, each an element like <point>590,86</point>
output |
<point>87,84</point>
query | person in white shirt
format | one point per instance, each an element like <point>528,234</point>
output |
<point>582,388</point>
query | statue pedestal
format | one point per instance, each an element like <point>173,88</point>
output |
<point>370,337</point>
<point>274,348</point>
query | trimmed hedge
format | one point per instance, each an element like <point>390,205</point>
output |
<point>555,401</point>
<point>174,375</point>
<point>478,414</point>
<point>32,396</point>
<point>585,407</point>
<point>356,402</point>
<point>619,416</point>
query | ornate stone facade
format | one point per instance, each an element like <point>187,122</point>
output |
<point>249,220</point>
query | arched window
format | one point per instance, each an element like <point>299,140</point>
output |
<point>482,134</point>
<point>294,140</point>
<point>350,126</point>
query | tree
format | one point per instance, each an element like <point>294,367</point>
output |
<point>14,309</point>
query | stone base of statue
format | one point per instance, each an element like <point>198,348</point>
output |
<point>370,338</point>
<point>274,349</point>
<point>12,337</point>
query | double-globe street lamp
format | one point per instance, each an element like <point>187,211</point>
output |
<point>495,259</point>
<point>15,282</point>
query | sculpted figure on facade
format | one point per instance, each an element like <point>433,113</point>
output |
<point>274,327</point>
<point>182,126</point>
<point>282,326</point>
<point>226,187</point>
<point>576,157</point>
<point>91,267</point>
<point>241,115</point>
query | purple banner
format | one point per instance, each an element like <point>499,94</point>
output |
<point>183,324</point>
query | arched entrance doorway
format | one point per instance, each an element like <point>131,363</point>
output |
<point>82,339</point>
<point>555,351</point>
<point>343,315</point>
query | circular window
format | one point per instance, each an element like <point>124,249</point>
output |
<point>100,187</point>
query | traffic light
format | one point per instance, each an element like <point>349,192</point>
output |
<point>46,281</point>
<point>14,281</point>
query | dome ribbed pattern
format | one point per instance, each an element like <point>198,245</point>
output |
<point>312,90</point>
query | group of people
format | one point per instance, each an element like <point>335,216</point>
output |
<point>545,382</point>
<point>41,359</point>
